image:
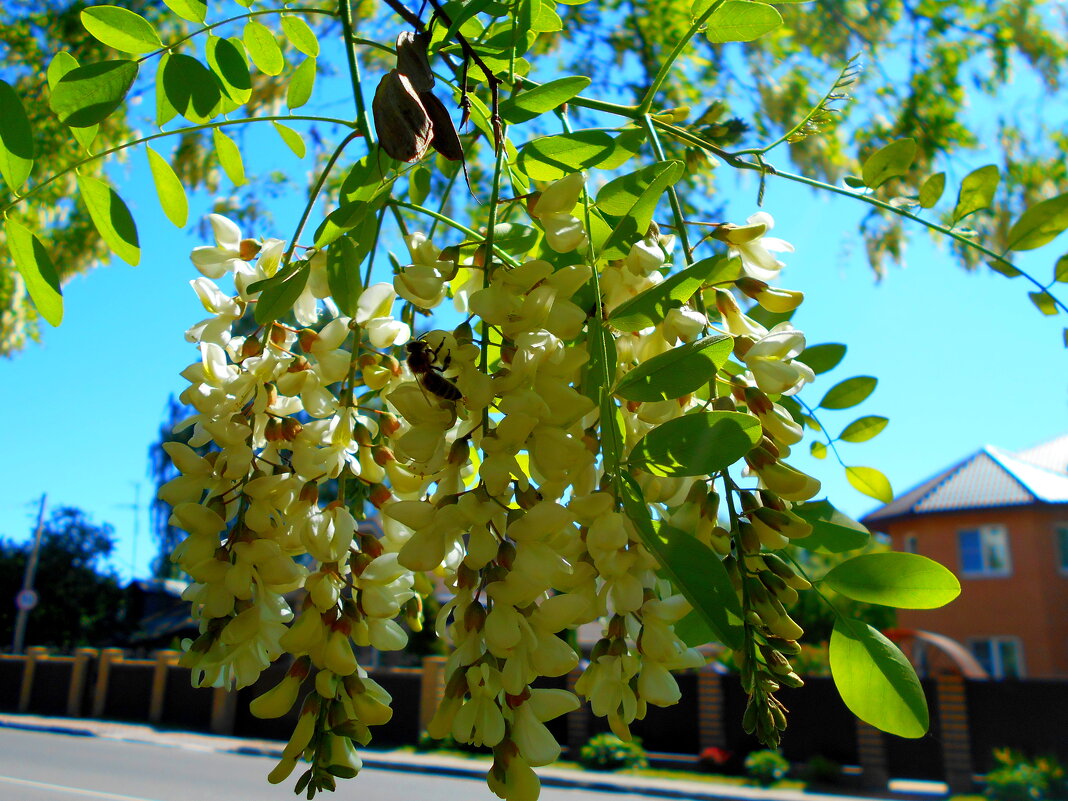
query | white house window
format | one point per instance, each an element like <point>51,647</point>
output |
<point>1000,656</point>
<point>1062,547</point>
<point>984,551</point>
<point>911,544</point>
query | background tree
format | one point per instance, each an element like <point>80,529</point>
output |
<point>81,602</point>
<point>921,66</point>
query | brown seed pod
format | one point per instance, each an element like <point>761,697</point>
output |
<point>412,61</point>
<point>403,125</point>
<point>444,138</point>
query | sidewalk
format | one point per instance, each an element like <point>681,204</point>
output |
<point>408,762</point>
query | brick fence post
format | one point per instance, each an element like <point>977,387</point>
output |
<point>108,657</point>
<point>164,660</point>
<point>871,752</point>
<point>223,710</point>
<point>29,667</point>
<point>79,673</point>
<point>710,731</point>
<point>578,722</point>
<point>956,740</point>
<point>431,689</point>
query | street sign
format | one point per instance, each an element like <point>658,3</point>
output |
<point>26,600</point>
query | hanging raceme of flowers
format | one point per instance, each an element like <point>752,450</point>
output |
<point>486,462</point>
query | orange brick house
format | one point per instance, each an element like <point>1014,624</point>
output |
<point>999,521</point>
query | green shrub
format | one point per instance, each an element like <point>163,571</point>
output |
<point>766,767</point>
<point>1023,779</point>
<point>428,743</point>
<point>821,770</point>
<point>608,752</point>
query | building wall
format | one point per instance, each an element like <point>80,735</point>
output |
<point>1030,603</point>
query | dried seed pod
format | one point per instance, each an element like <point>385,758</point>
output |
<point>412,61</point>
<point>444,138</point>
<point>404,128</point>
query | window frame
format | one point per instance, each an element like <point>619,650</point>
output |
<point>997,668</point>
<point>1060,545</point>
<point>985,570</point>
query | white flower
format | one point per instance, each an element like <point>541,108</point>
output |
<point>754,249</point>
<point>771,360</point>
<point>225,256</point>
<point>552,208</point>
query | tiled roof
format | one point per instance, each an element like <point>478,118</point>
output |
<point>990,477</point>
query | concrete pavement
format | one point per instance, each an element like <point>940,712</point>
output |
<point>421,763</point>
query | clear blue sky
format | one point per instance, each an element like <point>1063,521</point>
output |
<point>962,360</point>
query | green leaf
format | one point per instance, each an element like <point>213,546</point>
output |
<point>419,185</point>
<point>112,218</point>
<point>294,141</point>
<point>871,482</point>
<point>1060,270</point>
<point>976,191</point>
<point>62,63</point>
<point>192,10</point>
<point>343,273</point>
<point>849,392</point>
<point>122,29</point>
<point>932,189</point>
<point>300,35</point>
<point>515,238</point>
<point>278,294</point>
<point>600,371</point>
<point>741,21</point>
<point>87,95</point>
<point>165,111</point>
<point>818,449</point>
<point>901,580</point>
<point>301,84</point>
<point>1041,223</point>
<point>696,444</point>
<point>191,88</point>
<point>694,569</point>
<point>229,157</point>
<point>649,307</point>
<point>888,162</point>
<point>525,106</point>
<point>551,157</point>
<point>698,573</point>
<point>635,223</point>
<point>38,273</point>
<point>263,48</point>
<point>863,429</point>
<point>1004,267</point>
<point>832,531</point>
<point>367,178</point>
<point>822,358</point>
<point>618,196</point>
<point>16,139</point>
<point>226,58</point>
<point>677,372</point>
<point>169,189</point>
<point>1044,302</point>
<point>876,681</point>
<point>344,218</point>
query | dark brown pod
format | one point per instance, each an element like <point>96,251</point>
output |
<point>444,139</point>
<point>412,61</point>
<point>403,125</point>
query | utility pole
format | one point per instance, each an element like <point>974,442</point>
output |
<point>26,600</point>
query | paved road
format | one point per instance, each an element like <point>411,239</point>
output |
<point>56,767</point>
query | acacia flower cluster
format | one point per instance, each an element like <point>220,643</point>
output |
<point>485,454</point>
